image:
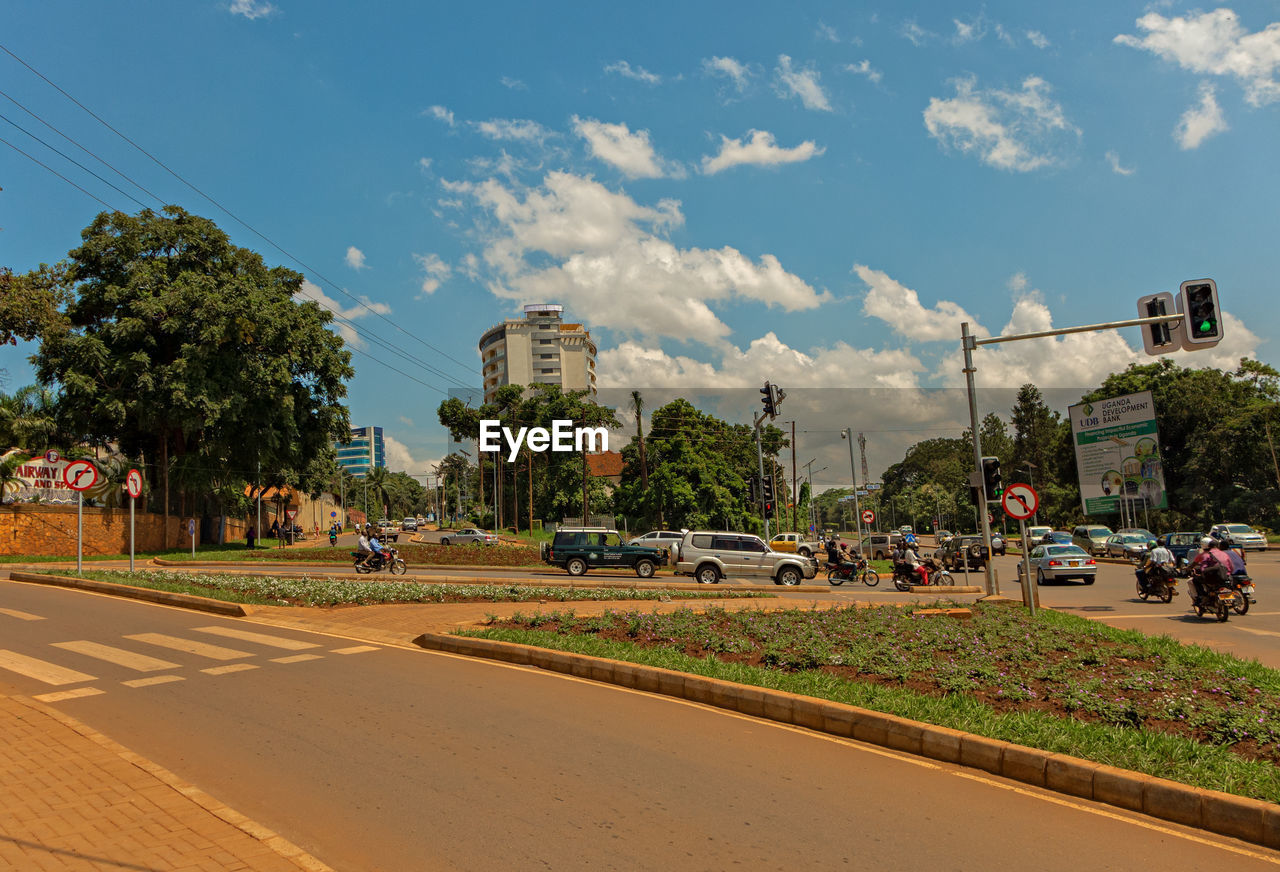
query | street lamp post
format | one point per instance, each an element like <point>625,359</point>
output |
<point>846,433</point>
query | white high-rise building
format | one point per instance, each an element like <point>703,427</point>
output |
<point>538,349</point>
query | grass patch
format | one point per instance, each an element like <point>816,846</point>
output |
<point>322,592</point>
<point>1059,683</point>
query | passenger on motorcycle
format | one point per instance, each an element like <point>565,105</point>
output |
<point>1211,568</point>
<point>362,547</point>
<point>374,560</point>
<point>911,565</point>
<point>1157,557</point>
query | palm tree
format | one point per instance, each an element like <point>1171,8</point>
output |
<point>376,480</point>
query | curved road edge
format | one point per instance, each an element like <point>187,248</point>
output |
<point>1225,814</point>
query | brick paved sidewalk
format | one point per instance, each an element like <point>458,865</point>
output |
<point>72,799</point>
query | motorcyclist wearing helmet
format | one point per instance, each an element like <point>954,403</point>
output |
<point>1211,568</point>
<point>1158,558</point>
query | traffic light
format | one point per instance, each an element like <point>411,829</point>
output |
<point>753,489</point>
<point>769,400</point>
<point>992,484</point>
<point>1160,338</point>
<point>768,488</point>
<point>768,509</point>
<point>1201,317</point>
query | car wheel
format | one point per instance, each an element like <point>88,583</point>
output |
<point>444,541</point>
<point>1090,579</point>
<point>576,566</point>
<point>707,574</point>
<point>645,568</point>
<point>790,576</point>
<point>1040,579</point>
<point>805,552</point>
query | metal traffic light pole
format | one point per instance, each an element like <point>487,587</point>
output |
<point>968,343</point>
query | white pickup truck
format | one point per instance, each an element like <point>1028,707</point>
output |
<point>795,543</point>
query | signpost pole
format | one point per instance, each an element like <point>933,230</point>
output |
<point>132,502</point>
<point>79,531</point>
<point>1028,594</point>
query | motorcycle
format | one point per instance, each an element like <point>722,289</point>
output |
<point>1242,584</point>
<point>1161,583</point>
<point>333,538</point>
<point>1220,599</point>
<point>905,576</point>
<point>389,558</point>
<point>839,573</point>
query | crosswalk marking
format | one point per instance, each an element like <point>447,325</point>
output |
<point>118,656</point>
<point>155,679</point>
<point>68,694</point>
<point>40,670</point>
<point>358,649</point>
<point>213,652</point>
<point>260,638</point>
<point>296,658</point>
<point>21,616</point>
<point>223,670</point>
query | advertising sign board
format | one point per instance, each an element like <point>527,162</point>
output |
<point>1118,453</point>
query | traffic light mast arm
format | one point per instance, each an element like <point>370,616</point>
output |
<point>1110,325</point>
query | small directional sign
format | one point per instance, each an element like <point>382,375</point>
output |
<point>1020,501</point>
<point>80,475</point>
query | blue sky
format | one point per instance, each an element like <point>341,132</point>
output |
<point>816,193</point>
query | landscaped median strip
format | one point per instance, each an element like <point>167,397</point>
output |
<point>1225,814</point>
<point>186,601</point>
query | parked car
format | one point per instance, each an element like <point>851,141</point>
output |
<point>1130,546</point>
<point>1091,537</point>
<point>795,543</point>
<point>709,556</point>
<point>469,536</point>
<point>964,550</point>
<point>1060,563</point>
<point>1241,535</point>
<point>409,525</point>
<point>657,539</point>
<point>578,549</point>
<point>1182,545</point>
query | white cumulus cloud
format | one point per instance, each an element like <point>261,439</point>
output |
<point>518,129</point>
<point>900,308</point>
<point>436,271</point>
<point>639,74</point>
<point>1113,160</point>
<point>343,317</point>
<point>1021,130</point>
<point>355,258</point>
<point>802,83</point>
<point>616,144</point>
<point>440,113</point>
<point>601,253</point>
<point>864,68</point>
<point>1200,121</point>
<point>1215,43</point>
<point>759,150</point>
<point>733,70</point>
<point>251,9</point>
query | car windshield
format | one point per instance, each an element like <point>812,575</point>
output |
<point>1134,537</point>
<point>1064,551</point>
<point>1239,528</point>
<point>1097,532</point>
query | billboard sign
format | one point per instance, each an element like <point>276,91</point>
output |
<point>1118,453</point>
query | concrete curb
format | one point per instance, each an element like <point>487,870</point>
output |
<point>937,588</point>
<point>181,600</point>
<point>1238,817</point>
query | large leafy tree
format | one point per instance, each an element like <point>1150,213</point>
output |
<point>193,353</point>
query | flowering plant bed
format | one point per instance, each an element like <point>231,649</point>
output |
<point>413,554</point>
<point>303,591</point>
<point>1056,682</point>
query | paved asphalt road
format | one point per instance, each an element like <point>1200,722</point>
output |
<point>377,757</point>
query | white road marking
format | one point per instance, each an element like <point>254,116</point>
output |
<point>213,652</point>
<point>260,638</point>
<point>223,670</point>
<point>155,679</point>
<point>21,616</point>
<point>1260,632</point>
<point>68,694</point>
<point>49,673</point>
<point>296,658</point>
<point>118,656</point>
<point>358,649</point>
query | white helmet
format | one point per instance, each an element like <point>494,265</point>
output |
<point>1206,543</point>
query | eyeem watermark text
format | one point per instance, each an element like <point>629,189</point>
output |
<point>562,436</point>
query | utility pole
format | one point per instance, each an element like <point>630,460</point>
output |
<point>846,433</point>
<point>795,473</point>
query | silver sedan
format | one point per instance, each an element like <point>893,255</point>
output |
<point>469,536</point>
<point>1061,562</point>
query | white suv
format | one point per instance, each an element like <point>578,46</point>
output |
<point>710,556</point>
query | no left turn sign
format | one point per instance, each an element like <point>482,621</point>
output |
<point>1020,501</point>
<point>133,483</point>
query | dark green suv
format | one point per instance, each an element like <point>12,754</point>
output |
<point>578,549</point>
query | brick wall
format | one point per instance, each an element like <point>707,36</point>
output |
<point>37,529</point>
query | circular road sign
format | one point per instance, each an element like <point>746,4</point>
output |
<point>333,514</point>
<point>80,475</point>
<point>868,516</point>
<point>1020,501</point>
<point>52,455</point>
<point>133,483</point>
